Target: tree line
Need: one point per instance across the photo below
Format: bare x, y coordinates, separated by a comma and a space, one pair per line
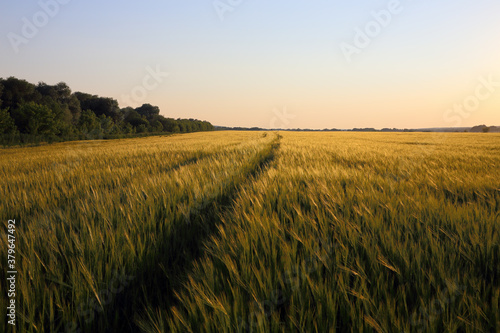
32, 113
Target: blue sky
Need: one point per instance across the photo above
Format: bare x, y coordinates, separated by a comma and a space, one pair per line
269, 64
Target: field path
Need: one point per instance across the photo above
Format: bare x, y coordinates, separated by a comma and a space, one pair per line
155, 286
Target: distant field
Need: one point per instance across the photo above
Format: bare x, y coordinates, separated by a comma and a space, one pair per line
257, 232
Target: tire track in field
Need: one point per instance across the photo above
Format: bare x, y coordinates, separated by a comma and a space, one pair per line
155, 285
42, 219
42, 222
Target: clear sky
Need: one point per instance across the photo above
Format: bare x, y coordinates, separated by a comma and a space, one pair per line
308, 64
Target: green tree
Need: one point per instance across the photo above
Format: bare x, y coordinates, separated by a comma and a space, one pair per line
128, 128
106, 123
157, 126
1, 90
49, 110
75, 108
39, 119
176, 129
90, 125
135, 119
59, 98
149, 111
99, 105
7, 124
16, 92
170, 125
142, 128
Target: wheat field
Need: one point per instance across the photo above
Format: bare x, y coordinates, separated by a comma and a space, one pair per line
256, 232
